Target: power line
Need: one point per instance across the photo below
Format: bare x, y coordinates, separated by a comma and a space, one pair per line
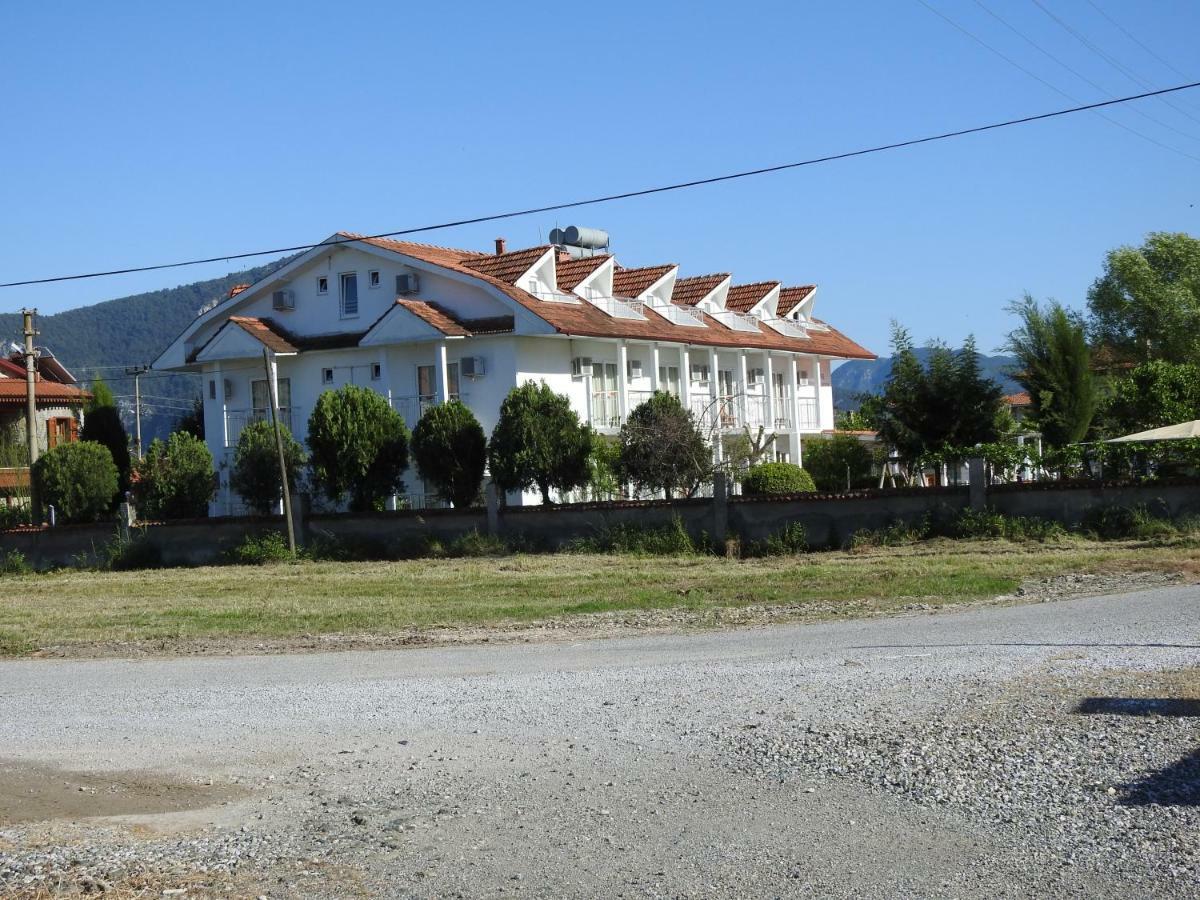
1012, 62
1125, 31
1036, 46
1109, 59
644, 192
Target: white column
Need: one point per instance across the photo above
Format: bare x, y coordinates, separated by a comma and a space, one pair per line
224, 406
768, 392
743, 389
794, 386
622, 380
443, 383
685, 376
654, 385
816, 380
714, 405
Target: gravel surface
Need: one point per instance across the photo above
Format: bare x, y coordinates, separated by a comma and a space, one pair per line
1000, 751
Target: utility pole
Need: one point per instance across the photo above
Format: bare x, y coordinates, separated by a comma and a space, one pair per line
137, 372
272, 388
31, 409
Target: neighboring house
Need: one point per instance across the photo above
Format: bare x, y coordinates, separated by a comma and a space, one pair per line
423, 324
59, 405
59, 401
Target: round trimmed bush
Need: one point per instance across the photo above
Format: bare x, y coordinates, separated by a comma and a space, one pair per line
777, 478
255, 475
450, 450
175, 480
78, 479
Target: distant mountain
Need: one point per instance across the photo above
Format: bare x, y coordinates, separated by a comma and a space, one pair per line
861, 376
133, 331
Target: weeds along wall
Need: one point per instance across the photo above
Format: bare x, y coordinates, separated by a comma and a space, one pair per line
827, 520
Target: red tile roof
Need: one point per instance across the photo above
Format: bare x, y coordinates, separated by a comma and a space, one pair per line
507, 267
572, 271
632, 282
265, 332
46, 393
791, 297
690, 291
1021, 398
742, 297
585, 320
433, 315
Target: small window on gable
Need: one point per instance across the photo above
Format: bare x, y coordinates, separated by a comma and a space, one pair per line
376, 371
327, 376
373, 278
323, 285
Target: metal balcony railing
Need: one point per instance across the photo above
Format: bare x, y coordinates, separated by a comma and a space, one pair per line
787, 327
557, 297
736, 320
236, 421
687, 316
618, 307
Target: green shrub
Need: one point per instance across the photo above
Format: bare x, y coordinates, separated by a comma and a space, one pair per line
776, 478
257, 550
539, 441
661, 447
474, 544
78, 479
102, 424
255, 475
175, 479
990, 525
450, 450
626, 537
339, 548
13, 516
131, 555
896, 534
14, 563
791, 540
358, 446
836, 460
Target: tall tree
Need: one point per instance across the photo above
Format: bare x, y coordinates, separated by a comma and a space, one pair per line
539, 440
102, 424
661, 447
358, 445
1146, 305
1055, 367
1152, 394
255, 474
450, 450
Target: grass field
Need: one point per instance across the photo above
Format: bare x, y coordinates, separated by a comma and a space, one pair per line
74, 609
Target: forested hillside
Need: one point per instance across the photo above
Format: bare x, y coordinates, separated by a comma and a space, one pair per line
132, 331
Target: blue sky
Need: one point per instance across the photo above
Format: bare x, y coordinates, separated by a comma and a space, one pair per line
145, 132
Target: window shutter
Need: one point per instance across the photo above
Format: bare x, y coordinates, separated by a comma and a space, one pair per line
74, 429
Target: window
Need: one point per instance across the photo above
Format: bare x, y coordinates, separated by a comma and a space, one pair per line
426, 382
260, 395
668, 379
725, 383
376, 371
373, 278
452, 380
777, 385
804, 378
212, 389
700, 373
327, 376
349, 295
59, 431
323, 285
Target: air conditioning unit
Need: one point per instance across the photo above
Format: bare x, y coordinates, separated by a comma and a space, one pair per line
633, 368
471, 366
580, 366
409, 283
757, 376
283, 300
700, 372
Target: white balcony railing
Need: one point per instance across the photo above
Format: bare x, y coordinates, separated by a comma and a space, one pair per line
809, 419
736, 320
687, 316
412, 408
557, 297
618, 307
606, 409
787, 327
237, 419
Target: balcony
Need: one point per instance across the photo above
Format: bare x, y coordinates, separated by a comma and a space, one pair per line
787, 327
606, 410
236, 421
557, 297
736, 321
687, 316
720, 414
412, 408
619, 307
809, 417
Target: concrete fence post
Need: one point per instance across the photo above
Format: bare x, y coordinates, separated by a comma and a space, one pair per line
977, 483
720, 501
492, 498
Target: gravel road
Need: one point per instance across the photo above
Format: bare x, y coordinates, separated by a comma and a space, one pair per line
1037, 750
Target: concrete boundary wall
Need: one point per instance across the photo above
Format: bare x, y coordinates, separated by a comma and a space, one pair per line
829, 520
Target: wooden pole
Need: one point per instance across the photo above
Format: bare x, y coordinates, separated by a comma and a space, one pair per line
269, 363
31, 410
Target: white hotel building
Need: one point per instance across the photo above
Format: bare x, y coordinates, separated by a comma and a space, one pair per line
424, 324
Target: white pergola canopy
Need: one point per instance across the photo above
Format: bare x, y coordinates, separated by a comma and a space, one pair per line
1181, 432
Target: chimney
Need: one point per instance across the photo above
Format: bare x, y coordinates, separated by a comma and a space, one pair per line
500, 246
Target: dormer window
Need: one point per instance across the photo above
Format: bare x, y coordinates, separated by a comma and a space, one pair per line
322, 285
373, 278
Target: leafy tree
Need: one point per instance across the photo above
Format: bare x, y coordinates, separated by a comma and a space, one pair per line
661, 447
777, 478
102, 424
1055, 367
539, 440
255, 474
947, 404
358, 446
450, 450
78, 479
604, 478
1146, 305
838, 462
192, 422
175, 480
1154, 393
